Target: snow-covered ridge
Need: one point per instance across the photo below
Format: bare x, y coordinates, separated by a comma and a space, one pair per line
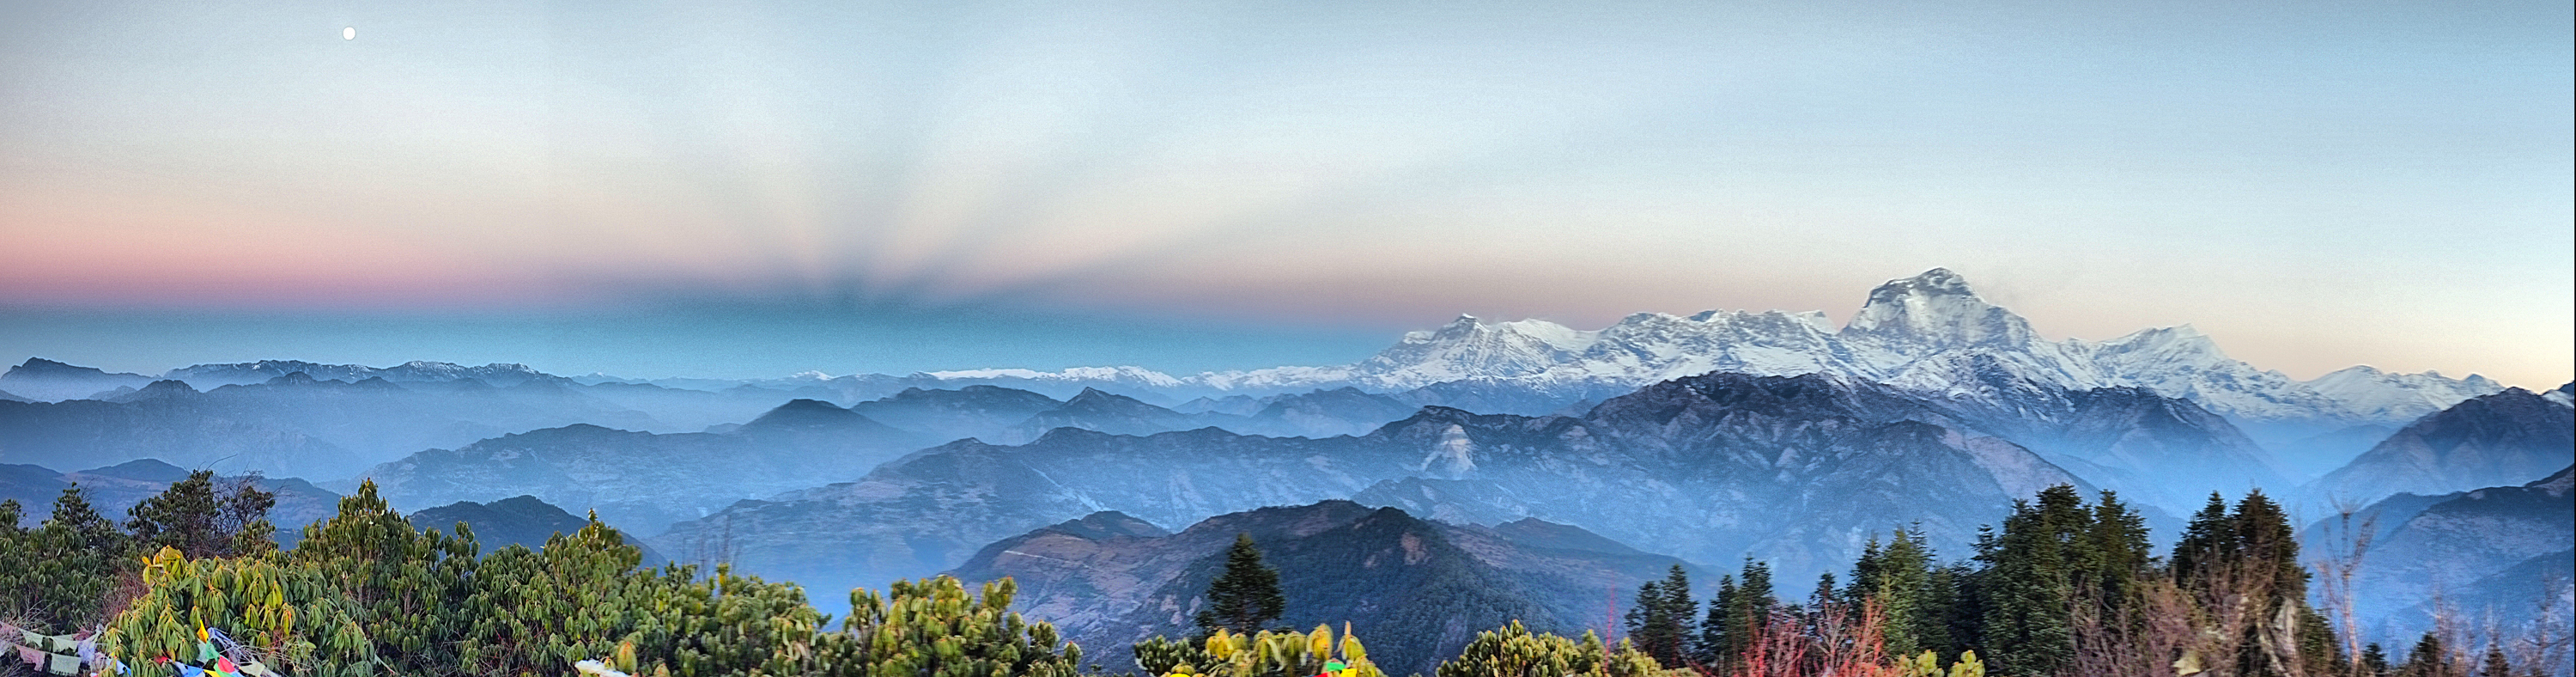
1930, 332
1136, 375
204, 376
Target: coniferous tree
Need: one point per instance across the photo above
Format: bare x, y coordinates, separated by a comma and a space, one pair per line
1898, 579
2029, 582
1679, 609
198, 519
2374, 660
59, 573
2117, 552
2203, 538
2429, 658
2496, 665
1246, 595
1824, 596
2250, 557
1736, 620
1714, 647
1663, 610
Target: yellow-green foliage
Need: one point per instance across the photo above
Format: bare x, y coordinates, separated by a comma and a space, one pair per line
582, 598
57, 576
1513, 651
365, 594
297, 621
1927, 664
407, 581
934, 628
1266, 654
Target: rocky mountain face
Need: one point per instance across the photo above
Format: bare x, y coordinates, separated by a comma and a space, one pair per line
1798, 470
1414, 589
113, 490
2492, 440
643, 481
2490, 554
520, 520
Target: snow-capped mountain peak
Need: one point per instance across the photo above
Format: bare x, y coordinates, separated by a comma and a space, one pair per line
1469, 348
2369, 390
1935, 310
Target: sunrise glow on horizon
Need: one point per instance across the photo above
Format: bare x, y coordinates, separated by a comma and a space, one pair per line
1231, 185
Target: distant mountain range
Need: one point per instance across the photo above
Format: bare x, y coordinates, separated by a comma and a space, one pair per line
1416, 590
1930, 333
645, 480
1918, 333
289, 425
1707, 437
1799, 470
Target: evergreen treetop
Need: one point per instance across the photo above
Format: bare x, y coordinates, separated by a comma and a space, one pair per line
1246, 596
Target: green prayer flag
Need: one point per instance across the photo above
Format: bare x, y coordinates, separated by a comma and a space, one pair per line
62, 665
50, 642
206, 652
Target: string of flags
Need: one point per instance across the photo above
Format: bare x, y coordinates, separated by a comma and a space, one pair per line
217, 655
215, 652
57, 654
1331, 669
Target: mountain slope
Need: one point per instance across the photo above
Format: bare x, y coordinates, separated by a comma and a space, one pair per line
2492, 440
1417, 590
44, 380
521, 520
978, 411
2485, 553
643, 481
1114, 414
1800, 470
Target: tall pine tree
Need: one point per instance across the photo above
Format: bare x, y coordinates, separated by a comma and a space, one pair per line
2250, 556
1658, 620
1899, 580
1246, 596
1737, 616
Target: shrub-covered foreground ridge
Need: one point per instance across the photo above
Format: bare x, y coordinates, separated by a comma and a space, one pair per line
2061, 587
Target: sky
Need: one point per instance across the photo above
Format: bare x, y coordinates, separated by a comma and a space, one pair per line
760, 188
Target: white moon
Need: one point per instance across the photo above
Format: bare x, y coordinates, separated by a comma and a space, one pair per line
350, 33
